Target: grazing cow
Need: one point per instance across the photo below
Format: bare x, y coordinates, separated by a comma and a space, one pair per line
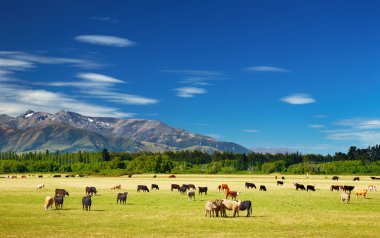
143, 188
172, 176
217, 207
262, 188
155, 176
372, 188
67, 176
40, 176
233, 194
202, 190
61, 192
250, 185
361, 193
192, 186
209, 208
23, 176
375, 178
155, 186
336, 187
57, 176
118, 186
335, 178
40, 186
91, 191
223, 187
48, 203
86, 202
191, 194
232, 205
185, 186
356, 179
345, 197
246, 205
348, 188
175, 186
310, 187
182, 190
122, 197
58, 201
299, 186
281, 183
283, 178
14, 177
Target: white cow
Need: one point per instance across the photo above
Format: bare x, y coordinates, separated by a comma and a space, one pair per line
48, 203
40, 186
372, 188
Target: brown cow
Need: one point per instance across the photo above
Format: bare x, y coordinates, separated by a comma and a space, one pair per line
48, 203
223, 187
118, 186
172, 176
361, 193
232, 205
233, 194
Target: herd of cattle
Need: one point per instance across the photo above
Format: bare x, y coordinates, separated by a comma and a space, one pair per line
217, 207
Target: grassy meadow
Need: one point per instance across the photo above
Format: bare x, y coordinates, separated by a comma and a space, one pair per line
280, 212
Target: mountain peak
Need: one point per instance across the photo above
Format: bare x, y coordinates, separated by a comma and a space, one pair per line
27, 114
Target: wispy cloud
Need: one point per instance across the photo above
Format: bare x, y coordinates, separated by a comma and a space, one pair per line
105, 19
267, 69
105, 40
188, 92
316, 126
298, 99
250, 130
215, 136
320, 116
360, 123
99, 78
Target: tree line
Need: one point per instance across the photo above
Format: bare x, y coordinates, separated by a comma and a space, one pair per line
355, 161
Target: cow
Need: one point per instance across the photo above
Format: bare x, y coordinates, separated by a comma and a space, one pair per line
57, 176
58, 201
40, 186
283, 178
191, 194
246, 205
185, 186
122, 197
155, 176
310, 187
281, 183
336, 187
175, 186
372, 188
361, 193
202, 190
335, 178
13, 177
232, 205
144, 188
348, 188
155, 186
40, 176
299, 186
61, 192
375, 178
117, 186
209, 208
86, 202
217, 207
172, 176
262, 188
130, 175
91, 191
48, 203
250, 185
67, 176
356, 179
345, 197
223, 187
182, 190
23, 176
192, 186
233, 194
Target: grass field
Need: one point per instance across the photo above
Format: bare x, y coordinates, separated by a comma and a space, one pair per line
279, 212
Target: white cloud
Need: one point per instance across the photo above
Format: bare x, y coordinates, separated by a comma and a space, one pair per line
99, 78
12, 64
215, 136
188, 92
250, 131
267, 69
105, 40
316, 126
298, 99
360, 123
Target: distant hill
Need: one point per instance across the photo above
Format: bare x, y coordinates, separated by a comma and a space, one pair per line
70, 131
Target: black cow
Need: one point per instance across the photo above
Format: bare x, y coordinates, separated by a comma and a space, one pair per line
67, 176
281, 183
283, 178
335, 178
40, 176
250, 185
182, 189
310, 187
246, 205
122, 197
335, 187
348, 188
58, 201
129, 175
56, 176
155, 186
143, 188
375, 178
202, 190
86, 202
90, 190
299, 186
262, 188
175, 186
155, 176
356, 179
192, 186
61, 192
185, 186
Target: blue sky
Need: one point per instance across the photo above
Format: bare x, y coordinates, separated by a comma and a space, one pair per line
301, 75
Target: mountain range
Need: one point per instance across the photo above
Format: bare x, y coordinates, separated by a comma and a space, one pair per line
70, 131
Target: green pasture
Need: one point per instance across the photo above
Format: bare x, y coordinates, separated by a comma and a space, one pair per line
280, 212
